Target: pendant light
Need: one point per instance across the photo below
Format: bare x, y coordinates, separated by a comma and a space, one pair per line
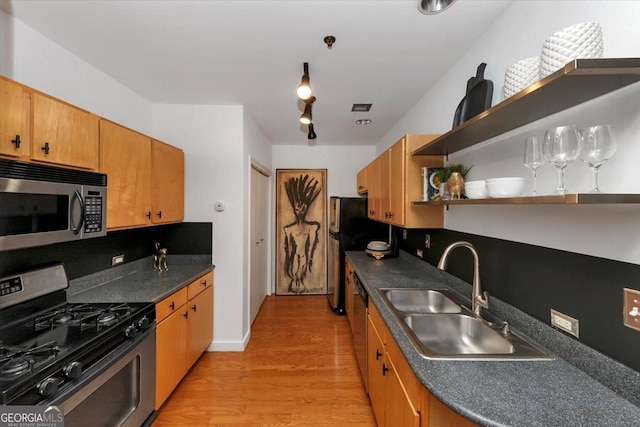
431, 7
304, 89
306, 117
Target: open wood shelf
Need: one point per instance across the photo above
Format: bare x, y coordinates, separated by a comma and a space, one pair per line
567, 199
579, 81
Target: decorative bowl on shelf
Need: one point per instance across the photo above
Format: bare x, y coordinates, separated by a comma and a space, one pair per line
520, 75
505, 187
475, 189
577, 41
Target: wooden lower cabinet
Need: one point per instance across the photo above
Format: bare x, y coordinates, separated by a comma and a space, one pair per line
184, 331
397, 396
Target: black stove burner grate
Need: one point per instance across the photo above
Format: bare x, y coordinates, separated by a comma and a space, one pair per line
16, 361
84, 315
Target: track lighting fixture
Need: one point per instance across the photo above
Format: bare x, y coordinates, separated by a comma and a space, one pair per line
312, 133
304, 89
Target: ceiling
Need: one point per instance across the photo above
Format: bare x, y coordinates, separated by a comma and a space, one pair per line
252, 52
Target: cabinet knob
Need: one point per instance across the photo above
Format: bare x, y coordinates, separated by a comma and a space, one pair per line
204, 283
148, 215
16, 141
194, 307
45, 148
159, 214
378, 354
172, 305
186, 315
384, 369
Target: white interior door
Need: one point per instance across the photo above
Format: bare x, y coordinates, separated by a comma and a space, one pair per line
259, 287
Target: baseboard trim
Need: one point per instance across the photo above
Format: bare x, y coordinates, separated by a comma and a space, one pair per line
230, 345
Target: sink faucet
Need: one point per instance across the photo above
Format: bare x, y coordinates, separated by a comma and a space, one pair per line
478, 300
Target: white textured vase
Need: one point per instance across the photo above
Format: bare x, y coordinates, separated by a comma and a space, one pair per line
520, 75
577, 41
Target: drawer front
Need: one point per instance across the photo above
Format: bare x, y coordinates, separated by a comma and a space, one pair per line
199, 285
170, 304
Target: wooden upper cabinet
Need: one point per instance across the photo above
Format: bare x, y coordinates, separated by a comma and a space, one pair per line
167, 166
125, 156
14, 119
63, 134
361, 181
394, 181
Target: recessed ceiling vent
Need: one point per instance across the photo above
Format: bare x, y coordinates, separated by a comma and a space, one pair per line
361, 108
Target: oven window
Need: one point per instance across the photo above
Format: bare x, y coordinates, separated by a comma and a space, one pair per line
22, 213
111, 403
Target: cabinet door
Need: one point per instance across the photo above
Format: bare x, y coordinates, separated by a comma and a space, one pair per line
375, 188
125, 156
14, 140
200, 324
171, 353
376, 378
385, 202
396, 182
167, 164
399, 409
361, 181
63, 134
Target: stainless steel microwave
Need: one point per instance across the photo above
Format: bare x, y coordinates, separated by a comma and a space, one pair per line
41, 204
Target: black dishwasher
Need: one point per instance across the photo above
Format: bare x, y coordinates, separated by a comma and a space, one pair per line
360, 304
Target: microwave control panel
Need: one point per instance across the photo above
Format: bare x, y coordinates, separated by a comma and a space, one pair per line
93, 214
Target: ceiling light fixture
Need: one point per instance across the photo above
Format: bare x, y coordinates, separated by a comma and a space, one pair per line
431, 7
304, 89
312, 133
363, 121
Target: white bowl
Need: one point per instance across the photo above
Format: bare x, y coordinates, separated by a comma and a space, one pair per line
475, 189
505, 187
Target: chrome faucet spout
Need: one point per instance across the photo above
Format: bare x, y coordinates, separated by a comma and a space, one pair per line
478, 299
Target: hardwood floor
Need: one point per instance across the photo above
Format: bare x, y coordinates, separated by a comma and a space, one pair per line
299, 369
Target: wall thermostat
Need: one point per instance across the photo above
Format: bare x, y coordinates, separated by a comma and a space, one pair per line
219, 206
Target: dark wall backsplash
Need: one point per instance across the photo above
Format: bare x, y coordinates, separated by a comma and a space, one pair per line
535, 279
89, 256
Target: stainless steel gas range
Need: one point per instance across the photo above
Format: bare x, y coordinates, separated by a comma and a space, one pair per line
95, 362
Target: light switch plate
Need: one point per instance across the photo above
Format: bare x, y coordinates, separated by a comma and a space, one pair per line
118, 259
631, 308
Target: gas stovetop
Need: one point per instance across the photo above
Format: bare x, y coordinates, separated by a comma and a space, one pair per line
45, 337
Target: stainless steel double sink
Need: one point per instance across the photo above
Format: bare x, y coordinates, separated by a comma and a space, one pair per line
441, 327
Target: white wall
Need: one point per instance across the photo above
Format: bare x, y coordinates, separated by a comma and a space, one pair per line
32, 59
212, 138
341, 162
606, 231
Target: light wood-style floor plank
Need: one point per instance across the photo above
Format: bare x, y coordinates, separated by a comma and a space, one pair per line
299, 369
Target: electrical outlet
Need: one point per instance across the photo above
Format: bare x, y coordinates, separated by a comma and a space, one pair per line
565, 323
404, 233
118, 259
427, 241
419, 253
631, 308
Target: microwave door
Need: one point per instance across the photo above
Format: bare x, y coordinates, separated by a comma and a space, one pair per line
76, 212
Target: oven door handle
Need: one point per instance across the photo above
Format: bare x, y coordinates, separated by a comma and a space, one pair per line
76, 200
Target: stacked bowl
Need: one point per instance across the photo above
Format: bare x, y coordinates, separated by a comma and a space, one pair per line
505, 187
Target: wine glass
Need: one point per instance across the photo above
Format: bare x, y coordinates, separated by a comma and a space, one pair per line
561, 146
533, 158
598, 145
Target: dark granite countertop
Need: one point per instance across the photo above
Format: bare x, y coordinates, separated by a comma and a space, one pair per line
138, 281
567, 391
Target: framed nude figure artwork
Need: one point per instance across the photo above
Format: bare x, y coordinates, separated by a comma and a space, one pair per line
301, 223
